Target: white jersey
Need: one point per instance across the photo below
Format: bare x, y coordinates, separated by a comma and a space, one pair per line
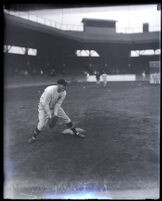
104, 76
51, 99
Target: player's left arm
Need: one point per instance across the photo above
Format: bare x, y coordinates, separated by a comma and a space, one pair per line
59, 103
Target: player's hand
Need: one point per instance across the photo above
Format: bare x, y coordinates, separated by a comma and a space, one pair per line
52, 121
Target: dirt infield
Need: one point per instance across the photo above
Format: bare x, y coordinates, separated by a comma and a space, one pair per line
119, 157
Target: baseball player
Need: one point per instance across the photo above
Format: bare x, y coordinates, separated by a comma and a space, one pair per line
104, 78
97, 74
49, 110
143, 76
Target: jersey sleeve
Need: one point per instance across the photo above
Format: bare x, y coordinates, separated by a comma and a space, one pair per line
45, 100
59, 103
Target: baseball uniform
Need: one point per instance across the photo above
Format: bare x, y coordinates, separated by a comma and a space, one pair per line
50, 105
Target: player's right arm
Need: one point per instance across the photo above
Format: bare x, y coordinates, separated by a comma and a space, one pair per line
59, 103
45, 101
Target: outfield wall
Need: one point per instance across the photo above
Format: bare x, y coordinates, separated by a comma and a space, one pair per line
111, 78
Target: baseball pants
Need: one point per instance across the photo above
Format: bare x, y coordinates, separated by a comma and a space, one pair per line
43, 117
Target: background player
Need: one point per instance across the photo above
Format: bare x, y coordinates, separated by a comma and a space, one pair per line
104, 78
143, 75
49, 109
97, 74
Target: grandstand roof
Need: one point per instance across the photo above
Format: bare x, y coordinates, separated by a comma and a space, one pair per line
118, 37
115, 38
97, 20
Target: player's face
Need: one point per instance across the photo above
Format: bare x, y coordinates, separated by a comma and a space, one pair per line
61, 88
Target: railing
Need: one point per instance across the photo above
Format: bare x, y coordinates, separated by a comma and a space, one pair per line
71, 27
42, 20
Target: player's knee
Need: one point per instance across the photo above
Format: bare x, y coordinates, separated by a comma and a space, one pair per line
66, 120
41, 126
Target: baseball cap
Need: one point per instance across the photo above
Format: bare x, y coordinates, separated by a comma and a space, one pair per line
62, 82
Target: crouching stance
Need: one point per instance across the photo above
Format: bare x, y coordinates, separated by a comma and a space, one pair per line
50, 110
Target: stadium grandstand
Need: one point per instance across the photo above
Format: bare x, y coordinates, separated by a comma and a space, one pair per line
45, 47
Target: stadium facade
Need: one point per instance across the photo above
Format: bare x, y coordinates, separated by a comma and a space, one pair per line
56, 48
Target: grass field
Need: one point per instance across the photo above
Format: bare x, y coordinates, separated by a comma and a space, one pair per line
118, 159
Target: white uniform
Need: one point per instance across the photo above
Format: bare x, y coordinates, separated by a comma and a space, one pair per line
50, 105
143, 76
104, 78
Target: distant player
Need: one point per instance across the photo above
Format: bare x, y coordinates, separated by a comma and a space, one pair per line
87, 75
157, 78
143, 76
50, 110
97, 74
104, 78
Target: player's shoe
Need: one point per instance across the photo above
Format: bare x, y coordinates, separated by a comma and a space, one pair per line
32, 140
77, 134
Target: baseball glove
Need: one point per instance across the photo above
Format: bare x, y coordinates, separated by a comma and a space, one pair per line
52, 121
